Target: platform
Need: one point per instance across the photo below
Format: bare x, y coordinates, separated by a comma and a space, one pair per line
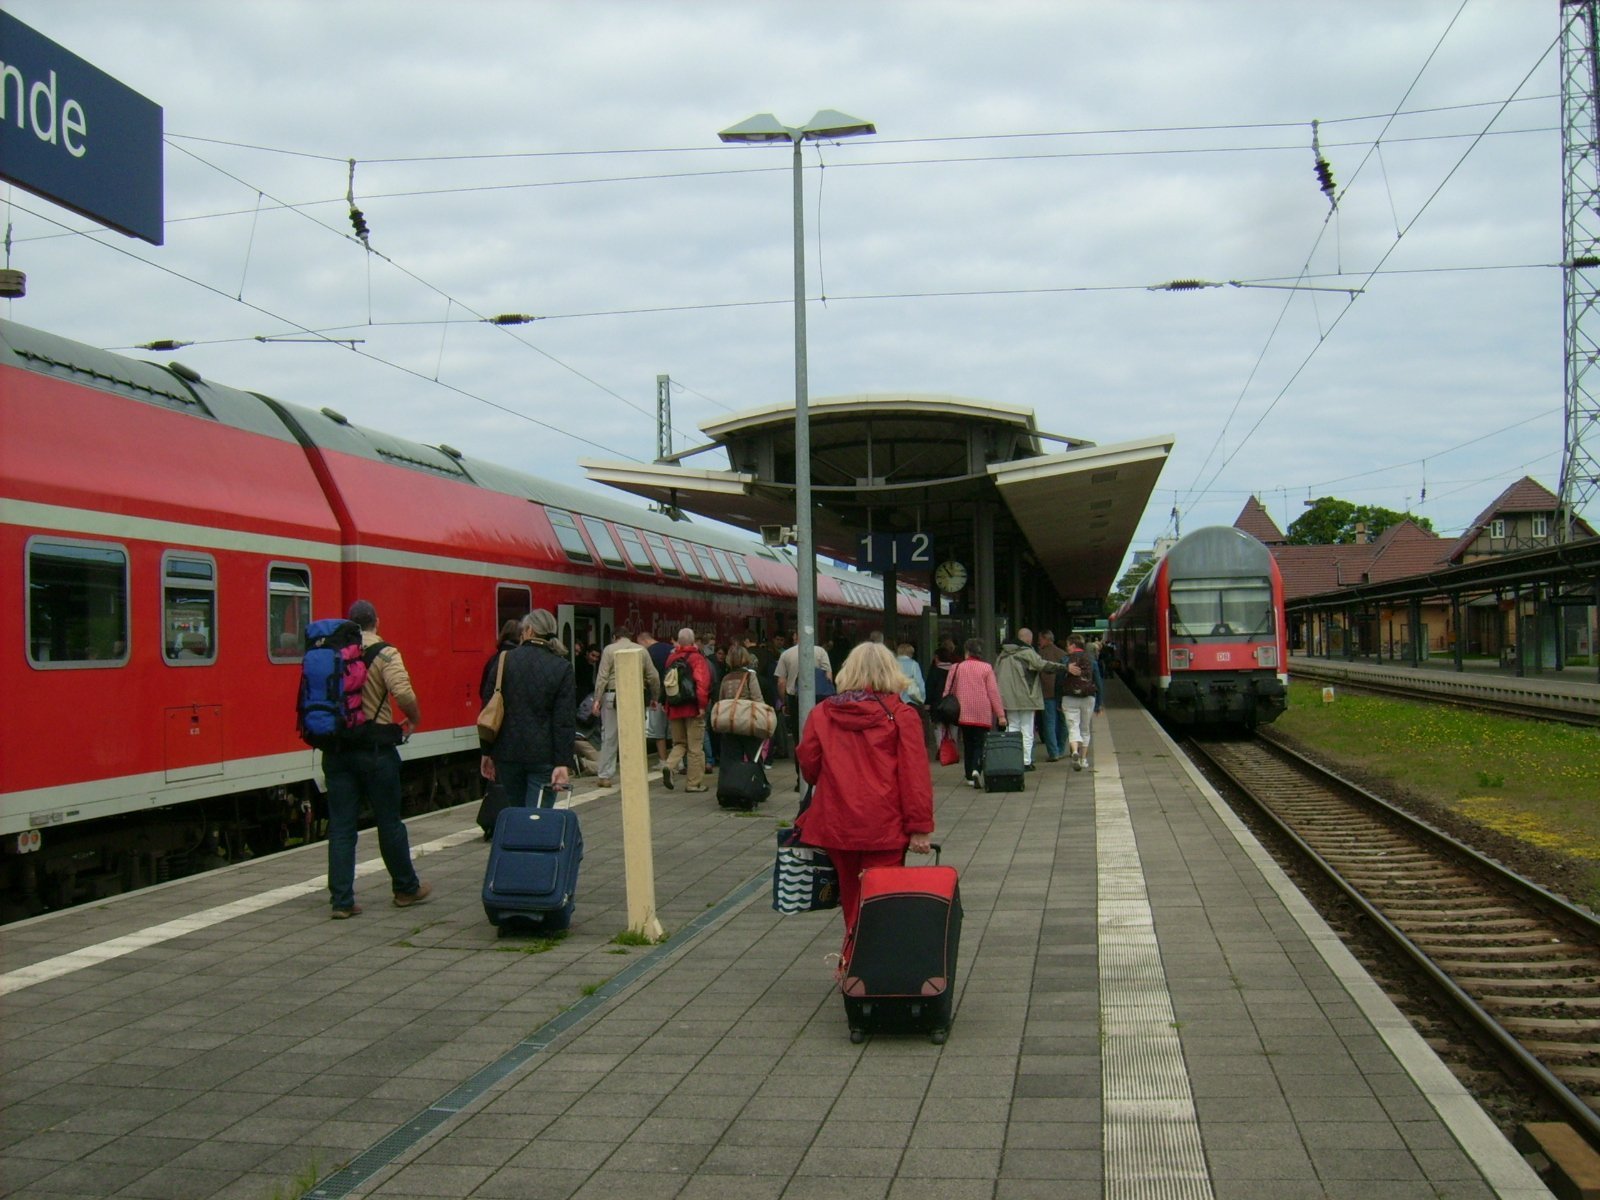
1146, 1008
1570, 694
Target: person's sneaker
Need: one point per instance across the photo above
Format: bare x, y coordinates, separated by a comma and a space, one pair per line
407, 899
666, 777
1077, 762
695, 787
1028, 767
1051, 757
344, 914
602, 782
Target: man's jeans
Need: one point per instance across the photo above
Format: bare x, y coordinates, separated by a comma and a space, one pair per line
370, 773
1055, 726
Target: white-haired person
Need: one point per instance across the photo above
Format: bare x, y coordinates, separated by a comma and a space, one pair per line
872, 793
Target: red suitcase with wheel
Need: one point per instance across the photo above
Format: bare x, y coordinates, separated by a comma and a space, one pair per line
901, 973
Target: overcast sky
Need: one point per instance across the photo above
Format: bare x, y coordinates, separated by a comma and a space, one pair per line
1037, 167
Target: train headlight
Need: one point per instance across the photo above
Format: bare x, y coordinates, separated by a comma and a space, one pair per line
1179, 658
1267, 656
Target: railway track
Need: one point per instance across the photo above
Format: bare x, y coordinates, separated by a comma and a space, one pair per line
1516, 961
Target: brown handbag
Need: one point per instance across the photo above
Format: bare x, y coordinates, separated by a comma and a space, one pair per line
738, 714
493, 712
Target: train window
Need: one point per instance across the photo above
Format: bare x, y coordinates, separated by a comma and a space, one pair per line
686, 557
1222, 608
664, 558
512, 602
77, 604
638, 556
569, 537
744, 571
188, 608
708, 562
604, 546
288, 611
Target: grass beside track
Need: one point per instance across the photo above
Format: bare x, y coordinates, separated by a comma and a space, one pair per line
1534, 781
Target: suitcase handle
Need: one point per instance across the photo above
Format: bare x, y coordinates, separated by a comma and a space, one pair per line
936, 847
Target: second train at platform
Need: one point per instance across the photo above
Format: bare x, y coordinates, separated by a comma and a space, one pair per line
1202, 639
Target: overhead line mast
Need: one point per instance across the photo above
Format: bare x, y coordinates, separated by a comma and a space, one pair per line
1580, 200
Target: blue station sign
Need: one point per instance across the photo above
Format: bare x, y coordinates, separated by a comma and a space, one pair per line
72, 134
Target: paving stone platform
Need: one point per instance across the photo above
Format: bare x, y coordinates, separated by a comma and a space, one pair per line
1146, 1008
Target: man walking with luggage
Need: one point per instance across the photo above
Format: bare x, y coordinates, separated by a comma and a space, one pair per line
1017, 672
367, 767
605, 696
686, 710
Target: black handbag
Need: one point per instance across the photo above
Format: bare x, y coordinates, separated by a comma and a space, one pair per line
948, 710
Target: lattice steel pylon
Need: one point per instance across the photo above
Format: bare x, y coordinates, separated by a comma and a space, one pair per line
1580, 204
663, 417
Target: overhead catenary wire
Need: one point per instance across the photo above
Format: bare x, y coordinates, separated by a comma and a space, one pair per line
1394, 245
372, 252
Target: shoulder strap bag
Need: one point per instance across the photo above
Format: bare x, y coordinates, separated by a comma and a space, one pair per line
493, 712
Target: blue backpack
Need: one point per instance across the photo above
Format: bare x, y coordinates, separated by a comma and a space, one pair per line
333, 672
824, 685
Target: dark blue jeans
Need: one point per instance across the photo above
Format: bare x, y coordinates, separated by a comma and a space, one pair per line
370, 773
525, 783
1055, 726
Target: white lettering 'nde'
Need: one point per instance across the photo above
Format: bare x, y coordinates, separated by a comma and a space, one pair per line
72, 124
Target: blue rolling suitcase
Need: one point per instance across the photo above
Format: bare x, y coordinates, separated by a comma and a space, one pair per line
532, 875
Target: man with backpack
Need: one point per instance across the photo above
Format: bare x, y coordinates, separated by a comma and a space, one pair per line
686, 688
364, 763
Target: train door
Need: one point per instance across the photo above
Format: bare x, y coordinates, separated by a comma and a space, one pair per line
584, 625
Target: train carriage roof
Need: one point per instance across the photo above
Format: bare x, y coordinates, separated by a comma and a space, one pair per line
1221, 552
173, 387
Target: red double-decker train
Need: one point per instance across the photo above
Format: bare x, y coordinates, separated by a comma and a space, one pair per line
166, 540
1202, 640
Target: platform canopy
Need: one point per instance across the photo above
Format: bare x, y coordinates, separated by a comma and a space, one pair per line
920, 463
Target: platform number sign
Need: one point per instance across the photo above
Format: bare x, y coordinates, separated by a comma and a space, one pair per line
895, 552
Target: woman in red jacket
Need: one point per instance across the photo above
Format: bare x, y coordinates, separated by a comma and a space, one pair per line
872, 794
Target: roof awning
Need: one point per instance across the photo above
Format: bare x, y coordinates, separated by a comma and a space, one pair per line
1079, 509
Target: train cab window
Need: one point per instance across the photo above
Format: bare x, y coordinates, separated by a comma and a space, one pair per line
77, 604
288, 611
686, 557
1223, 608
512, 602
708, 563
567, 534
748, 579
188, 609
638, 556
664, 559
604, 546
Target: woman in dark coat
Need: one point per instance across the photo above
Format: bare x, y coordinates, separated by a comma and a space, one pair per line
872, 794
534, 746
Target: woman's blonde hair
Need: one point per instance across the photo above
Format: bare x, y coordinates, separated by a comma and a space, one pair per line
871, 668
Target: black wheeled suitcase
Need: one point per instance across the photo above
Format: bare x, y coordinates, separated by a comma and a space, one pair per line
531, 878
1002, 762
901, 972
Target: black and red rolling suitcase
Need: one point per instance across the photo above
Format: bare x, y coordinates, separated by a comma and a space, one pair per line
901, 973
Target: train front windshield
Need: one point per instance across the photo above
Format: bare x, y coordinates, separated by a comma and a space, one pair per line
1207, 609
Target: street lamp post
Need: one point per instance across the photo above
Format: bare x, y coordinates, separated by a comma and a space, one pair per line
827, 125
